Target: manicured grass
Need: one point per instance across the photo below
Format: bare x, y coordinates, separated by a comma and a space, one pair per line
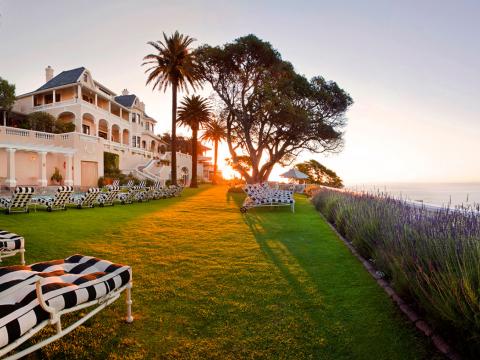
212, 283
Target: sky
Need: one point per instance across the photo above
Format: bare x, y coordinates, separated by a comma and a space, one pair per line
410, 66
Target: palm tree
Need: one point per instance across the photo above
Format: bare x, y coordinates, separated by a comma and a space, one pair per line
194, 111
215, 132
174, 64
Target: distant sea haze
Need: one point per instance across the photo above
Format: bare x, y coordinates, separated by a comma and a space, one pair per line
442, 194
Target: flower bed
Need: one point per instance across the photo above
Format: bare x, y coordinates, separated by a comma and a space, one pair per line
431, 257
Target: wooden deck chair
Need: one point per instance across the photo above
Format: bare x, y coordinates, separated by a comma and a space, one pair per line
19, 200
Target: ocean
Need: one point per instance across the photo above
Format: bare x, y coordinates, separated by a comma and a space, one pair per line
442, 194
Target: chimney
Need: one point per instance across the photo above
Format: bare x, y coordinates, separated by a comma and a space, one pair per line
125, 92
48, 73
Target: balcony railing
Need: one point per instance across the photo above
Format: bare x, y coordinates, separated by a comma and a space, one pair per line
55, 104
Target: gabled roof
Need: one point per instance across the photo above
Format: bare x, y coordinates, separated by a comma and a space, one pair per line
64, 78
126, 100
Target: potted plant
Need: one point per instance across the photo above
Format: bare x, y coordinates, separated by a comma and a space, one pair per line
57, 177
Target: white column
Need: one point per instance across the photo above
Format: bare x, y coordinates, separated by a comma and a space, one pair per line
121, 111
79, 92
42, 178
5, 118
53, 96
68, 172
11, 181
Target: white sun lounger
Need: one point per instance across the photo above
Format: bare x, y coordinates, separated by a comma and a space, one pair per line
57, 201
19, 201
33, 297
89, 199
259, 195
11, 244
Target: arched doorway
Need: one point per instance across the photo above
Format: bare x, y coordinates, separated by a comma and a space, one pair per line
88, 124
67, 117
103, 129
184, 176
116, 133
125, 137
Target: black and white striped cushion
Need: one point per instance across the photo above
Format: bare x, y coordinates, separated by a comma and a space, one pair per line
59, 199
109, 196
20, 198
11, 241
87, 199
65, 284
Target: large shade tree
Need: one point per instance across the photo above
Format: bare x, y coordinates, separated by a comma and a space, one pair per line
7, 98
271, 112
173, 65
320, 174
194, 112
215, 132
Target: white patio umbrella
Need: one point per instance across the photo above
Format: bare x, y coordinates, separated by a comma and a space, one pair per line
294, 174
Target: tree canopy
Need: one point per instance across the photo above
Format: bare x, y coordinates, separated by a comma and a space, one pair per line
43, 121
7, 96
173, 65
320, 174
271, 113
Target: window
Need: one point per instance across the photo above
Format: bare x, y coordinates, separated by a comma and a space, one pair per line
48, 98
85, 77
58, 98
86, 129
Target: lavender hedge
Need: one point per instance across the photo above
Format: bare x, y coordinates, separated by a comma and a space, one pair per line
431, 257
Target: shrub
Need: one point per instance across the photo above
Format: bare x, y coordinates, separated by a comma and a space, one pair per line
311, 189
41, 121
56, 176
431, 257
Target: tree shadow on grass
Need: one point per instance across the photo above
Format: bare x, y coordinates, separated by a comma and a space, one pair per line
280, 254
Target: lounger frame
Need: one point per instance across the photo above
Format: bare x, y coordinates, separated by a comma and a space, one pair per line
4, 253
55, 319
19, 201
266, 197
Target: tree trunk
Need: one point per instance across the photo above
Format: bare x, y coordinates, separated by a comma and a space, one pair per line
193, 183
174, 135
215, 157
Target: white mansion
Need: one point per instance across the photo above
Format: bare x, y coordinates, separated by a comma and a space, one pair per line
104, 122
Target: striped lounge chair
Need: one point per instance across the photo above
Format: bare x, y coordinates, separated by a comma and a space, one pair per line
158, 192
130, 196
19, 201
11, 244
59, 200
143, 191
259, 195
108, 198
88, 199
129, 184
33, 297
116, 182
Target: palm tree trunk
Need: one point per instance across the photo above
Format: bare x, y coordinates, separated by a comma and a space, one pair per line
193, 183
174, 135
215, 157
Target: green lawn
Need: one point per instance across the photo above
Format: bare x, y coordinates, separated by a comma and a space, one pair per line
210, 282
